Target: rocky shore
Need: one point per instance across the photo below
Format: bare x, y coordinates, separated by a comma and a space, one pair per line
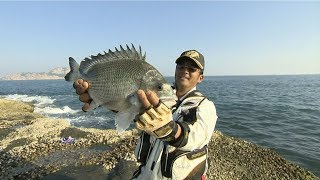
30, 148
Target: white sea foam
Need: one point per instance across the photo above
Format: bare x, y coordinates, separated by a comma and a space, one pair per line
55, 110
38, 101
84, 118
43, 104
104, 122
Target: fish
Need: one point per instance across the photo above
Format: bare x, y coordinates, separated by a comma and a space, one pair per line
115, 77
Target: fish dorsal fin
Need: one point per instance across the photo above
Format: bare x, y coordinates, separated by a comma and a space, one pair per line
121, 54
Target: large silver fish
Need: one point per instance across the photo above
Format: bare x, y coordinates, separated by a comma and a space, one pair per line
114, 79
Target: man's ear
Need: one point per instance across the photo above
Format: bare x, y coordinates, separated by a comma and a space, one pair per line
201, 77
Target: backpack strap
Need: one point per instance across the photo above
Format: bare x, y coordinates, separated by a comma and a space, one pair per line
194, 93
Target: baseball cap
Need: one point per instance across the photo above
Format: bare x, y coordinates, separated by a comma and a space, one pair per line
193, 55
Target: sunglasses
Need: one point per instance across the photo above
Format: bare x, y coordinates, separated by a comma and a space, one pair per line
189, 68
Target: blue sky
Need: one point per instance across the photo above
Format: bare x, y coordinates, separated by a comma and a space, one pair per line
236, 38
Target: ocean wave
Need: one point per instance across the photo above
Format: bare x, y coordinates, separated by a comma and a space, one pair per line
43, 104
55, 110
88, 121
38, 101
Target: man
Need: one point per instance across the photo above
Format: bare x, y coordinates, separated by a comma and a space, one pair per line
173, 143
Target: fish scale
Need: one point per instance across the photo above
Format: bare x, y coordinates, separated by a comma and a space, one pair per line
120, 77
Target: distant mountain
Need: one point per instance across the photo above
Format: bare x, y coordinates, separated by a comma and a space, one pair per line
56, 73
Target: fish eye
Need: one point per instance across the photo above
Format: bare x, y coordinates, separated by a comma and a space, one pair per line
160, 87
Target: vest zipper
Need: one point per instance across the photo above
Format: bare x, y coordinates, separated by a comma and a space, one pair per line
167, 154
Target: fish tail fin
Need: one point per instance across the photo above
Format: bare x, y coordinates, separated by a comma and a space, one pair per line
74, 73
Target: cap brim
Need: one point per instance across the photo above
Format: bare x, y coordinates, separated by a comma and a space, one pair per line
187, 57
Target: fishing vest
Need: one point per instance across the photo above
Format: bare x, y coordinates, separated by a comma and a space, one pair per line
184, 113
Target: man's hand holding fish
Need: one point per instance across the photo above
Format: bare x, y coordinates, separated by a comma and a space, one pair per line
157, 118
82, 87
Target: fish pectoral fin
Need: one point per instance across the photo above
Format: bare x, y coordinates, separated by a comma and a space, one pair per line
124, 118
133, 100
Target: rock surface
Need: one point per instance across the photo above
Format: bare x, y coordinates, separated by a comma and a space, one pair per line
30, 148
56, 73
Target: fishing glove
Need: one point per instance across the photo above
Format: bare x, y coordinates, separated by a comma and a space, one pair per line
157, 121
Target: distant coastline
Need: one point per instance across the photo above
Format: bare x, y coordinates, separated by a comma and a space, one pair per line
60, 72
56, 73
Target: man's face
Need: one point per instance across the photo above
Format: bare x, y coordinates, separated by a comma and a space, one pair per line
187, 75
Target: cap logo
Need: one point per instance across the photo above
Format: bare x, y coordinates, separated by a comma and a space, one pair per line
193, 54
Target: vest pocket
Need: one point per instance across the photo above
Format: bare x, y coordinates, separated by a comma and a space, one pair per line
184, 163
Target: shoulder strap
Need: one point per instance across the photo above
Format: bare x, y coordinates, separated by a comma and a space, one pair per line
194, 93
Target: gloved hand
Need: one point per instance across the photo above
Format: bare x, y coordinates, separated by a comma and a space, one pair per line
157, 119
82, 87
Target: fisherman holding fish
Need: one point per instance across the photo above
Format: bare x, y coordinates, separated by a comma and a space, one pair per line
173, 142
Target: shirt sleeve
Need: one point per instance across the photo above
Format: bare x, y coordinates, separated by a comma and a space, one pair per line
200, 132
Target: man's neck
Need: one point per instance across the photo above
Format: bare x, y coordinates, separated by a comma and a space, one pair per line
181, 93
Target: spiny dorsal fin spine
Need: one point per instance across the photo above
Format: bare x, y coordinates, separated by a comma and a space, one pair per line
124, 52
110, 53
119, 54
129, 53
129, 50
